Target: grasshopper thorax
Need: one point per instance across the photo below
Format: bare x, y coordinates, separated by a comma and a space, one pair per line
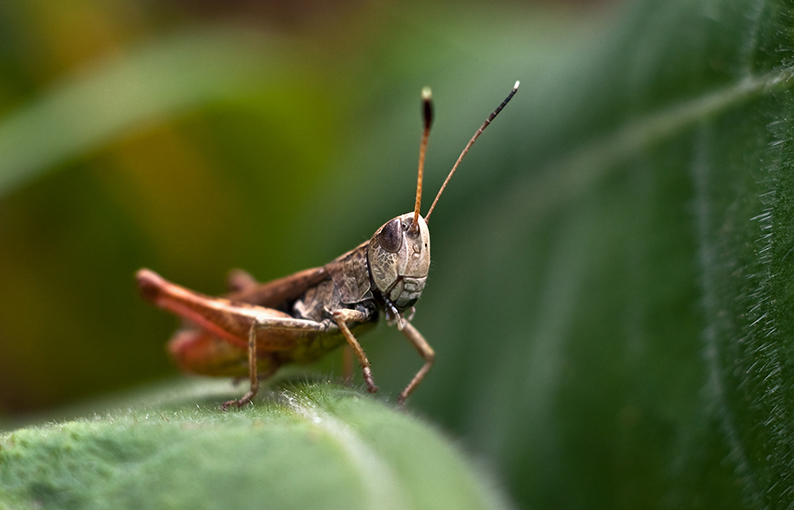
399, 259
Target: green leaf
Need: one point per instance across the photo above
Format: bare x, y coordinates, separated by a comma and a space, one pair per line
307, 446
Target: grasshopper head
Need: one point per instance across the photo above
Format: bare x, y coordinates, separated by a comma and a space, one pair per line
399, 258
399, 252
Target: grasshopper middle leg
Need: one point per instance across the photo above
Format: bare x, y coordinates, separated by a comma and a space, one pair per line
342, 317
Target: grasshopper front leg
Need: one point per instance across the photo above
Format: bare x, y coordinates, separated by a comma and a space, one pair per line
418, 341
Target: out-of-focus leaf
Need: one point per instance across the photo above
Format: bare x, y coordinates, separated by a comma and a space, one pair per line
161, 79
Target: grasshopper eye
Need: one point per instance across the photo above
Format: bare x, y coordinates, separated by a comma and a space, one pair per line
390, 238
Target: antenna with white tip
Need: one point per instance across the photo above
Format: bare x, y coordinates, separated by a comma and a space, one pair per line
490, 118
427, 116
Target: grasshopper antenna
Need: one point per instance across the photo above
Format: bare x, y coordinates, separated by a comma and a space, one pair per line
427, 116
490, 118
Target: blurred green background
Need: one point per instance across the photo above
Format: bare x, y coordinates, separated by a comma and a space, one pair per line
194, 137
609, 298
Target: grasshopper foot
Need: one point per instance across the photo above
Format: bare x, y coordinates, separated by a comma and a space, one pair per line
369, 380
239, 403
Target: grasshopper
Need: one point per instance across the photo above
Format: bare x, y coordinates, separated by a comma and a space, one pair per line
258, 327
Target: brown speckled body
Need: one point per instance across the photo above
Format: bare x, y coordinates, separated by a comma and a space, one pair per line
200, 347
256, 328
